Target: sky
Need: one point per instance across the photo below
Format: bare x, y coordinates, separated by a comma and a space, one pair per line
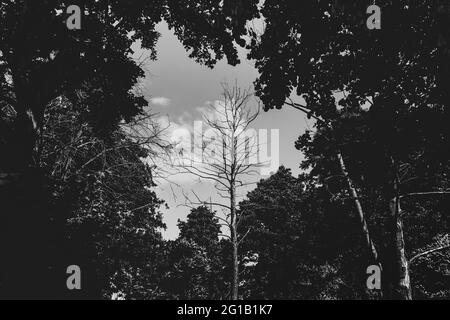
179, 89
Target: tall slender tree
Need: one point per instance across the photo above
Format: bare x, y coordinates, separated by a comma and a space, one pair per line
229, 157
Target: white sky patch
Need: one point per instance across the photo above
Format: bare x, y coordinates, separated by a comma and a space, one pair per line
160, 101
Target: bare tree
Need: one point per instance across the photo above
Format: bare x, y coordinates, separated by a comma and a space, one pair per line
229, 157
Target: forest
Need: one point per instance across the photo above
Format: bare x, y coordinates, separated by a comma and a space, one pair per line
82, 154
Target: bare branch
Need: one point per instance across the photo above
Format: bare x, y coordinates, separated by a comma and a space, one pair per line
431, 193
422, 254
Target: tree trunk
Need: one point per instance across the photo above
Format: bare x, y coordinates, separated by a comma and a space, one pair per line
26, 136
403, 286
234, 240
403, 282
359, 210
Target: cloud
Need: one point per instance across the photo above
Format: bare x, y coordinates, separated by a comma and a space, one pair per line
160, 101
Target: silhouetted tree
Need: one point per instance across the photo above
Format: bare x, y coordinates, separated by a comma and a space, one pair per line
339, 69
196, 264
41, 60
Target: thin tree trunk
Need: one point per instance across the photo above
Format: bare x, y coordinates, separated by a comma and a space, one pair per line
234, 240
365, 229
26, 135
359, 209
403, 285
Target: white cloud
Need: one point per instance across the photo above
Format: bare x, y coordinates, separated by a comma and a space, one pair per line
160, 101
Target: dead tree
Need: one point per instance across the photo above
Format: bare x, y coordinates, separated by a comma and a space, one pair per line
229, 157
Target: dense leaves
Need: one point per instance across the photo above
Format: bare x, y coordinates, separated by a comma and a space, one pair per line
379, 99
301, 243
65, 96
198, 262
41, 59
103, 194
76, 187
